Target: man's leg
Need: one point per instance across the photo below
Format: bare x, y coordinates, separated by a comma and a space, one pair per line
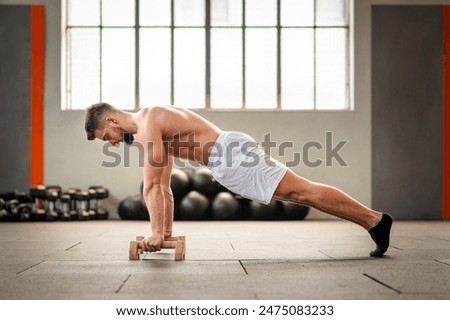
335, 202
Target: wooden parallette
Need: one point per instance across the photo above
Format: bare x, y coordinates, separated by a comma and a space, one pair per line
177, 243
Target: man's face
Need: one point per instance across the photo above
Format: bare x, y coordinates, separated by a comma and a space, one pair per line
114, 134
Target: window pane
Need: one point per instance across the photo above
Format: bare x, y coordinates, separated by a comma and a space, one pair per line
189, 12
261, 68
154, 67
261, 12
331, 13
297, 12
226, 68
297, 73
226, 12
83, 67
118, 67
190, 68
83, 12
154, 12
118, 13
331, 68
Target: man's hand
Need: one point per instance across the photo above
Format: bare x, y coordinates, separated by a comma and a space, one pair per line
153, 243
167, 234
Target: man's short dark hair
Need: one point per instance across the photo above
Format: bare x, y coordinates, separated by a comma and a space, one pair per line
95, 115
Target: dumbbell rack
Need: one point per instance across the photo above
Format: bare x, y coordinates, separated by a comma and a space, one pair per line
177, 243
49, 203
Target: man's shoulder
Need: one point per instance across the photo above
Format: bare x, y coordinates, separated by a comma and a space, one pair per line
156, 108
153, 111
154, 117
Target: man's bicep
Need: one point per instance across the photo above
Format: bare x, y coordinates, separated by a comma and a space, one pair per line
152, 176
167, 171
154, 151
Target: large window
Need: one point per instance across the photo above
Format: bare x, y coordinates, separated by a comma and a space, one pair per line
233, 54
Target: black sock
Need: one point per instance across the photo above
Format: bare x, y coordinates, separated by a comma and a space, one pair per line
380, 234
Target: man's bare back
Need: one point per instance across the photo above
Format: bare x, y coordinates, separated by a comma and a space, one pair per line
185, 134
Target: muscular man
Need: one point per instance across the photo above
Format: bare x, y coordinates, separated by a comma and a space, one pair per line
235, 159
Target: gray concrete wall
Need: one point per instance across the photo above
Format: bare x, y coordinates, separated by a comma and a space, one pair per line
72, 161
15, 97
407, 110
363, 56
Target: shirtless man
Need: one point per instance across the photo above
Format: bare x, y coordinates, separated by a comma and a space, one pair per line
167, 132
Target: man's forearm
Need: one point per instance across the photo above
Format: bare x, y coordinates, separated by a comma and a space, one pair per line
168, 220
156, 207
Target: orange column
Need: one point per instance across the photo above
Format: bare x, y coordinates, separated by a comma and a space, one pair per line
37, 94
446, 118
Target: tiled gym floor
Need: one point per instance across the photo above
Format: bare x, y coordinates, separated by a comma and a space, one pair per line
224, 260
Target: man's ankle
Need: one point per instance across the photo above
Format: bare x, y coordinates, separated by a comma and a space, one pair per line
374, 220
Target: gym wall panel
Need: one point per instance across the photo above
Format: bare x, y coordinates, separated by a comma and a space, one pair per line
407, 99
15, 96
446, 116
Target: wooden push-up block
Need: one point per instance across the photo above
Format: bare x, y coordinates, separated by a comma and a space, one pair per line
177, 243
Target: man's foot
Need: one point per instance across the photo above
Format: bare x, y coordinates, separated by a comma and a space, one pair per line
380, 234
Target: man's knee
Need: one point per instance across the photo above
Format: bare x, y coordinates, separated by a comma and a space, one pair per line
300, 195
294, 188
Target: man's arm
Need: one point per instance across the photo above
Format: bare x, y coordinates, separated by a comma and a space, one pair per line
168, 198
155, 162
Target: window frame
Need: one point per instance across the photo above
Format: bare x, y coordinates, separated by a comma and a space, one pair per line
65, 78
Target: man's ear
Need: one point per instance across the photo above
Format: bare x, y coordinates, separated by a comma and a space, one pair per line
111, 121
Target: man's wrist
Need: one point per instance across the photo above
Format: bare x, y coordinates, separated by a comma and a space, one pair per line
167, 235
158, 234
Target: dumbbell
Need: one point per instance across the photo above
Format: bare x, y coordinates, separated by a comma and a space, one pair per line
11, 210
177, 243
5, 198
91, 203
64, 211
23, 211
8, 195
73, 203
82, 198
3, 212
52, 194
101, 194
38, 196
16, 211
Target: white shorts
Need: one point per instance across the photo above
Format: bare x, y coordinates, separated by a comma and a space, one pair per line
241, 165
